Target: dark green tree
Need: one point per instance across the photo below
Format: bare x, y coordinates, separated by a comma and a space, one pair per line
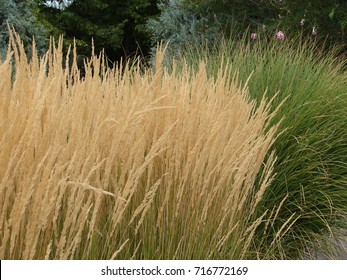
116, 26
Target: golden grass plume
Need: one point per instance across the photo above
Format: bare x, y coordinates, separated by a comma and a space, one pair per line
125, 163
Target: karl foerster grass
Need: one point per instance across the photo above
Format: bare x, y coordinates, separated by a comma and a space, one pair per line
128, 164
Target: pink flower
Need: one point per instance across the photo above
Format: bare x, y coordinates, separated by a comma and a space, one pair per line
314, 31
280, 35
254, 36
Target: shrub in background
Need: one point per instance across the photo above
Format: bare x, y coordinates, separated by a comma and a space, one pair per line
235, 16
324, 20
20, 16
181, 26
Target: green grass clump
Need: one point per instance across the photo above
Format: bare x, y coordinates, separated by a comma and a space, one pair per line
311, 170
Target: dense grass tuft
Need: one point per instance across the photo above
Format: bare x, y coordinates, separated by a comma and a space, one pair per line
311, 170
130, 164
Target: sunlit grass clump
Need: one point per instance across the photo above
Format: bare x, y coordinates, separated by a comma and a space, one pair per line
130, 164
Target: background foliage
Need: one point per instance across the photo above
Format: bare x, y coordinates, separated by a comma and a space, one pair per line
20, 15
329, 18
118, 27
234, 17
183, 26
128, 28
